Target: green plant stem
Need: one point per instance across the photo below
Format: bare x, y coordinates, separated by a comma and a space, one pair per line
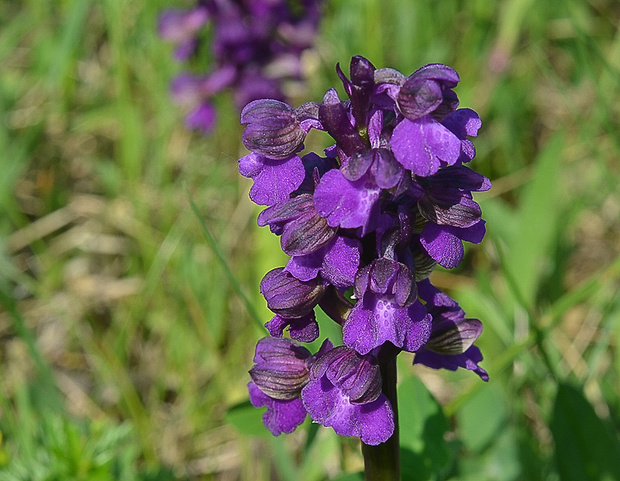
382, 462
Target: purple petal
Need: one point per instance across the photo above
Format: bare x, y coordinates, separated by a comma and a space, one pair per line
341, 262
457, 178
420, 145
373, 422
274, 180
305, 268
346, 204
442, 245
282, 416
463, 122
473, 234
433, 296
386, 170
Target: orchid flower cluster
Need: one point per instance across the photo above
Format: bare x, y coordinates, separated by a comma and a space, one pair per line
364, 225
256, 45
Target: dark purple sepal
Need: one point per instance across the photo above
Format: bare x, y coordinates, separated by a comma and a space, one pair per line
445, 75
468, 360
335, 119
274, 180
303, 329
302, 229
386, 276
282, 416
357, 376
452, 334
281, 367
418, 97
452, 208
359, 88
308, 116
271, 129
288, 296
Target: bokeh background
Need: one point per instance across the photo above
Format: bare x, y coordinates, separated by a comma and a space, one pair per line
124, 336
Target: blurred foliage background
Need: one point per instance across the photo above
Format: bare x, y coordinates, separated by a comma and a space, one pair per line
124, 343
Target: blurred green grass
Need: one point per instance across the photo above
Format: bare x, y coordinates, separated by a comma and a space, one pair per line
123, 343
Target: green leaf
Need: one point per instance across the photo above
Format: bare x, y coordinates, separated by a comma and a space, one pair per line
584, 448
481, 418
527, 254
247, 419
351, 477
422, 428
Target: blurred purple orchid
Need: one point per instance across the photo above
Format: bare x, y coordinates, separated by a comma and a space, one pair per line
255, 47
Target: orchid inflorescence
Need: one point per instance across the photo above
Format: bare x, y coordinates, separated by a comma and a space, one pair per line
255, 47
364, 225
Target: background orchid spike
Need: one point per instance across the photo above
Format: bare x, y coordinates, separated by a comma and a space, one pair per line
255, 49
364, 224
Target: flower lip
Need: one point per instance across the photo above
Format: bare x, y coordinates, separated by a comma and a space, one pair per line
303, 230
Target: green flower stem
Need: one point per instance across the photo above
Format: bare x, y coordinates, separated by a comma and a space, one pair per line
382, 462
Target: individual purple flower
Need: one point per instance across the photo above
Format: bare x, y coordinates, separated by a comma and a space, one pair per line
450, 215
344, 392
450, 345
281, 370
421, 142
274, 133
387, 310
293, 302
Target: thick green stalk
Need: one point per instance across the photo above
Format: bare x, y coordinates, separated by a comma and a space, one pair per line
382, 462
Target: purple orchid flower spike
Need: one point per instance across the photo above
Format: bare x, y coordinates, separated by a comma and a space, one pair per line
364, 225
